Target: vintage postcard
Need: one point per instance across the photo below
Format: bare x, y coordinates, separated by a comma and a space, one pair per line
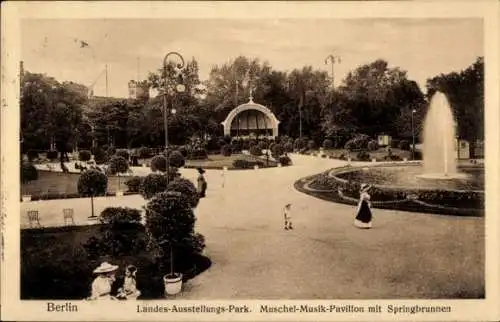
250, 161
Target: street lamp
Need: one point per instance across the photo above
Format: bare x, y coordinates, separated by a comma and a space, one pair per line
413, 134
178, 88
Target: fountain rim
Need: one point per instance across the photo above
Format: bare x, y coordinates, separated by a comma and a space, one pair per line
350, 168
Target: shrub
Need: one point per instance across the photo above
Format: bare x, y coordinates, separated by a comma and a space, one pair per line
236, 147
111, 150
245, 164
176, 159
277, 151
170, 220
145, 152
394, 143
153, 184
133, 183
404, 145
327, 144
28, 172
262, 145
363, 156
120, 215
284, 160
84, 155
372, 145
359, 142
288, 147
226, 150
120, 233
255, 150
100, 156
52, 155
92, 183
32, 155
300, 144
187, 188
198, 154
227, 139
123, 153
117, 165
183, 150
393, 157
159, 163
418, 155
311, 145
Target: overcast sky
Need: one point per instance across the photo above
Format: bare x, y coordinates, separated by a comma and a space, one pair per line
422, 47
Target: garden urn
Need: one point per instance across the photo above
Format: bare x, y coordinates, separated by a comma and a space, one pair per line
173, 283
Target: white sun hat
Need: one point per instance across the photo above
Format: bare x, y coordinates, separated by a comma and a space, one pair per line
105, 268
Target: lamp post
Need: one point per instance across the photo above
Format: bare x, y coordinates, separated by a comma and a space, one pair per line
413, 134
179, 88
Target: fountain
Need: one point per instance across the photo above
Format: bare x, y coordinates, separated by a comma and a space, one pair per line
439, 154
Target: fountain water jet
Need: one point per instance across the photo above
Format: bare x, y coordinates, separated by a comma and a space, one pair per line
439, 156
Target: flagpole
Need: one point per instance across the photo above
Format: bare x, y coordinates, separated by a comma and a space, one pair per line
106, 80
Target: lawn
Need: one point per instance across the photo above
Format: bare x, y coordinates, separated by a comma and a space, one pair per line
57, 182
55, 264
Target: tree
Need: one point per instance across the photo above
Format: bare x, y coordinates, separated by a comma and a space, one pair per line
372, 100
92, 183
51, 112
465, 92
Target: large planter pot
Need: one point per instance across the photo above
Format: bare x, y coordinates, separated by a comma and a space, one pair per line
173, 283
26, 198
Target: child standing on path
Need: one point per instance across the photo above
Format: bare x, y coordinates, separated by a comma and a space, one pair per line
287, 212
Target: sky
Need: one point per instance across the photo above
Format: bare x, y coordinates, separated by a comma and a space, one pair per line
133, 47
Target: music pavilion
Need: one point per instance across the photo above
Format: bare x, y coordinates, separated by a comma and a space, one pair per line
251, 120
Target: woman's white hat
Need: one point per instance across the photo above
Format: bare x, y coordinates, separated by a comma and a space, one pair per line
105, 268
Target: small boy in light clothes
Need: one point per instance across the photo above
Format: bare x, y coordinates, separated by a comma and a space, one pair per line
287, 212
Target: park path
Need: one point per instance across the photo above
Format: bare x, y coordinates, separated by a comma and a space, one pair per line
405, 255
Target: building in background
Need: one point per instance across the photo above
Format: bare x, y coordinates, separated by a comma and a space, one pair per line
138, 90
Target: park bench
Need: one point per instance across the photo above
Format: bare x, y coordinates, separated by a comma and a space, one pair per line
34, 219
68, 216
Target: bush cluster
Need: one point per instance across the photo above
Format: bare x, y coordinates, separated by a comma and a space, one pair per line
32, 155
255, 150
226, 150
288, 147
133, 183
100, 156
152, 184
363, 156
277, 150
52, 155
300, 144
145, 152
359, 142
262, 145
246, 164
28, 172
404, 145
159, 163
176, 159
311, 145
198, 154
284, 160
327, 144
123, 153
372, 145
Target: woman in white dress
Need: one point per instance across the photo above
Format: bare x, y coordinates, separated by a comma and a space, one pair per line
101, 286
364, 213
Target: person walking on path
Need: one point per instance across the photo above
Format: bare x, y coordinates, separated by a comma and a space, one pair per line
364, 215
287, 213
202, 183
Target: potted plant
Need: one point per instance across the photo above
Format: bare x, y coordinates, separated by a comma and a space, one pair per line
170, 221
28, 173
